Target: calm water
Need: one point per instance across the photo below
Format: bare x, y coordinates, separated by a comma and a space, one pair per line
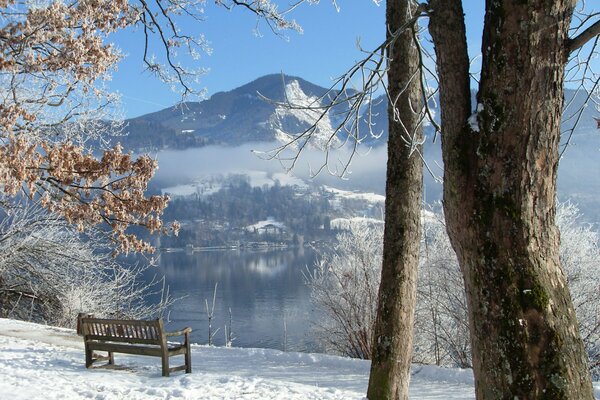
263, 289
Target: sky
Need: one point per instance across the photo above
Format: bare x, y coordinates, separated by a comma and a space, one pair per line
325, 49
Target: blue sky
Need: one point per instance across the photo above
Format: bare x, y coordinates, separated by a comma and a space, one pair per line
325, 50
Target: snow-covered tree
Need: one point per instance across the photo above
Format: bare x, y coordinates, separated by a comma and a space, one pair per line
441, 325
580, 258
50, 272
344, 286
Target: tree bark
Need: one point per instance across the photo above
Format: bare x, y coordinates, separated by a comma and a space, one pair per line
392, 347
499, 197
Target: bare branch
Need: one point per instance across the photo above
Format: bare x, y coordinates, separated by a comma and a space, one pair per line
584, 37
345, 109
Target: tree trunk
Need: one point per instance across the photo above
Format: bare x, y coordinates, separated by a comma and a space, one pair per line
499, 197
392, 344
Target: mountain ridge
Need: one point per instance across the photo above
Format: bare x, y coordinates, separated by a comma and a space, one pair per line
234, 117
250, 113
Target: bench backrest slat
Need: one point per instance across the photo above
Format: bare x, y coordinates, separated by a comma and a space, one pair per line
132, 331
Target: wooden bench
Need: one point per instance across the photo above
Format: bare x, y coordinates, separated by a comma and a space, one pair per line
146, 338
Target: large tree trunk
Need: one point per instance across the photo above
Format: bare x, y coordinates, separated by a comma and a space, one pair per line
392, 347
499, 197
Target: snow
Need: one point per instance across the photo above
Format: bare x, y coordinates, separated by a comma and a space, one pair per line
261, 226
474, 118
346, 223
370, 197
306, 111
40, 362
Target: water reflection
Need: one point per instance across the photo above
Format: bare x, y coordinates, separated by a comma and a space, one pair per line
263, 290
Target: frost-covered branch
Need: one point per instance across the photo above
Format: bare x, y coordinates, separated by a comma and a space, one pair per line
61, 272
160, 20
344, 285
268, 11
588, 34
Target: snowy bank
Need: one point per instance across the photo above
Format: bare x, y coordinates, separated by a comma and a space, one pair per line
40, 362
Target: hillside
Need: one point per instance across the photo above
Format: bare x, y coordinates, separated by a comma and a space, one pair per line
245, 209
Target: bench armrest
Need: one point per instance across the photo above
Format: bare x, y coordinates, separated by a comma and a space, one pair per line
179, 333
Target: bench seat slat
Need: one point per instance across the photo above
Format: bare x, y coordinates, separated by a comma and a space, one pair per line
123, 348
121, 339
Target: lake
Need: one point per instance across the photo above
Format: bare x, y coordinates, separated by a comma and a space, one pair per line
265, 290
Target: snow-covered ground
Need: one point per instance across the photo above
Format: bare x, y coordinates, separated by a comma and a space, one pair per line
39, 362
262, 226
370, 197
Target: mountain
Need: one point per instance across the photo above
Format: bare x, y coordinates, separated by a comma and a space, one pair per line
250, 113
236, 120
253, 113
246, 114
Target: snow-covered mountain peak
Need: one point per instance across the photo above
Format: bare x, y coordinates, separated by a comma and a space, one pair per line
300, 117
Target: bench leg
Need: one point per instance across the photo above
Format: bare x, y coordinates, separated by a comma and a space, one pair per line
164, 353
88, 357
111, 358
165, 365
188, 355
188, 362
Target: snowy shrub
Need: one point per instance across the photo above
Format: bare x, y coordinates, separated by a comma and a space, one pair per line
580, 258
441, 322
346, 282
49, 273
344, 285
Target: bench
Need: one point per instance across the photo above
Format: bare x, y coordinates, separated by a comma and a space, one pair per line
146, 338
